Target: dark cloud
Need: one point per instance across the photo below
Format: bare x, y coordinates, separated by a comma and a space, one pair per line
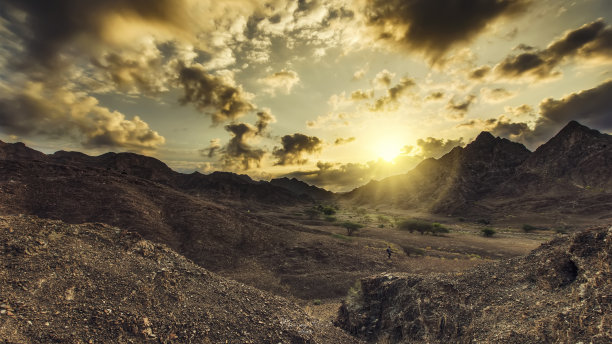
294, 147
238, 153
589, 41
390, 101
434, 96
51, 25
134, 73
213, 93
479, 73
435, 26
264, 118
432, 147
458, 110
342, 141
212, 150
590, 107
496, 95
41, 110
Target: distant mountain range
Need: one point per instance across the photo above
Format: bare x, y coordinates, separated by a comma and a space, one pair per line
571, 173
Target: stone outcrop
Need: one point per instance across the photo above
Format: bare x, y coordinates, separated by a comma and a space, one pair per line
560, 293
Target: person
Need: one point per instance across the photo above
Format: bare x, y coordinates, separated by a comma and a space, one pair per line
389, 251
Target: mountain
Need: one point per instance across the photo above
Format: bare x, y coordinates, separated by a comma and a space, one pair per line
453, 182
298, 187
223, 222
560, 293
18, 150
67, 283
571, 172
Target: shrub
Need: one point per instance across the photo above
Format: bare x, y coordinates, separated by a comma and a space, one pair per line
437, 229
488, 232
529, 228
326, 209
316, 302
330, 218
412, 225
312, 213
483, 221
351, 227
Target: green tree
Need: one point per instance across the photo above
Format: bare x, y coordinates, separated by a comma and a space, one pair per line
351, 227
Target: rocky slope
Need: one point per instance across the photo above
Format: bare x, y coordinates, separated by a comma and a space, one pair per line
560, 293
217, 228
570, 173
453, 182
298, 187
93, 283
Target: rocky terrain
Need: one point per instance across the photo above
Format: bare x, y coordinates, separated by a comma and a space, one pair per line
570, 174
93, 283
208, 219
560, 293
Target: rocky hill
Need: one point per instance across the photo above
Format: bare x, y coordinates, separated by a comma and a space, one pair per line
92, 283
560, 293
298, 187
206, 218
571, 172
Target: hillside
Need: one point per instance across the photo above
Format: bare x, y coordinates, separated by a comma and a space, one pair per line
225, 227
95, 283
560, 293
494, 176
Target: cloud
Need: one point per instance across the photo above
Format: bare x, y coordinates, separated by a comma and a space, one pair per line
496, 95
284, 80
383, 79
590, 41
479, 73
294, 147
435, 96
239, 153
213, 93
212, 149
433, 148
41, 110
359, 95
51, 27
590, 107
390, 101
345, 177
359, 74
342, 141
264, 118
435, 27
458, 110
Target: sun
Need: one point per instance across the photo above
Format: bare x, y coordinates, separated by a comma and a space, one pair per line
388, 149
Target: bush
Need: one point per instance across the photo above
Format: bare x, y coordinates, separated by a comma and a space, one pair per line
351, 227
316, 302
422, 227
483, 221
412, 225
330, 218
529, 228
437, 229
488, 232
326, 209
312, 213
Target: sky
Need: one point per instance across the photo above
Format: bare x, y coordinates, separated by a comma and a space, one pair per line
335, 93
